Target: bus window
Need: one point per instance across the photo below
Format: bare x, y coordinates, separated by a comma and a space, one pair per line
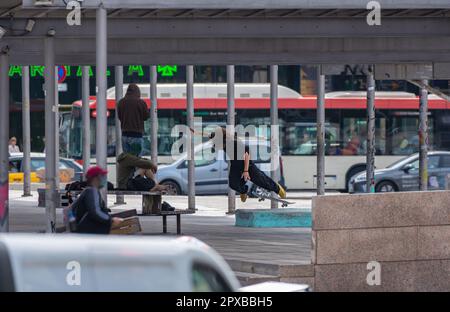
403, 134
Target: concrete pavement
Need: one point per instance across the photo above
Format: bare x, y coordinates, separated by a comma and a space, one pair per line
210, 224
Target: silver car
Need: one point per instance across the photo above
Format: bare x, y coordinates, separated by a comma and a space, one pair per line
211, 175
403, 175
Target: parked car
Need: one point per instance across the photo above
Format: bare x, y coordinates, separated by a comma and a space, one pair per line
38, 163
211, 175
403, 175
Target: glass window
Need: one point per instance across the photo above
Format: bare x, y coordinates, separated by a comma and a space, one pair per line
166, 121
69, 164
433, 163
110, 135
354, 134
76, 135
445, 161
299, 131
201, 161
300, 138
14, 165
206, 279
403, 134
37, 163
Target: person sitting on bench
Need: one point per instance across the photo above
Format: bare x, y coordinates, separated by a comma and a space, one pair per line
136, 173
144, 180
92, 215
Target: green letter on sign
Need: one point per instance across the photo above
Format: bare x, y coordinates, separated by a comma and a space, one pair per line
15, 70
167, 70
135, 68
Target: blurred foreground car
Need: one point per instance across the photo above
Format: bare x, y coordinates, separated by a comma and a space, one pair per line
403, 175
110, 263
70, 170
39, 262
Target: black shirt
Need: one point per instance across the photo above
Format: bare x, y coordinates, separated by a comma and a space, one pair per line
240, 148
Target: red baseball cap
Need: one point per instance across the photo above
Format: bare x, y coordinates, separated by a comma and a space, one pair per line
95, 172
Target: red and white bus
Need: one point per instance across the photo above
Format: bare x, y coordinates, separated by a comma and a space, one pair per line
397, 122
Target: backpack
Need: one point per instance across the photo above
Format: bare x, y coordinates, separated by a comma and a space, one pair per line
140, 183
76, 186
69, 215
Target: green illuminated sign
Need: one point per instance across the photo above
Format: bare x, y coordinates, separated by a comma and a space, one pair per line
135, 69
38, 71
167, 70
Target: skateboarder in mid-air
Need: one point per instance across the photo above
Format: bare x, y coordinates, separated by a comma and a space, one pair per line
243, 169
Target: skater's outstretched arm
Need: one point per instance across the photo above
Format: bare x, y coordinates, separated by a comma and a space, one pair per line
245, 174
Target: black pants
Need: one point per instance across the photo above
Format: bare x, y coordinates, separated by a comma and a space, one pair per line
258, 178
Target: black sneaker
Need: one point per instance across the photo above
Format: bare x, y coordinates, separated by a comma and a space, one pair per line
165, 206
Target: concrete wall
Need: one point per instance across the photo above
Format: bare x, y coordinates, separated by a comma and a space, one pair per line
407, 233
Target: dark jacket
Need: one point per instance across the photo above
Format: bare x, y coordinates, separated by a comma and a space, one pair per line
126, 165
132, 111
91, 213
239, 149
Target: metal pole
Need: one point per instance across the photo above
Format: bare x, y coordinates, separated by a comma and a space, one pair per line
154, 113
370, 156
57, 177
118, 72
190, 122
4, 138
274, 130
26, 135
86, 119
423, 138
50, 144
101, 62
320, 132
231, 123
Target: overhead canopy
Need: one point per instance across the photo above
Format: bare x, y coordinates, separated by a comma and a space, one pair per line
235, 32
253, 4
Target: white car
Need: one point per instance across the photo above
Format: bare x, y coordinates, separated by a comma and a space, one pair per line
40, 262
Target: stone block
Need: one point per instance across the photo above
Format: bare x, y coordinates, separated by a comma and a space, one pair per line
434, 242
381, 210
364, 245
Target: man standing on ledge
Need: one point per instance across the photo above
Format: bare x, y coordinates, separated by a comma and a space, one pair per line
132, 111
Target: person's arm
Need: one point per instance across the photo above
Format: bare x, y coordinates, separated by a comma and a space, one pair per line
144, 164
245, 174
92, 201
145, 113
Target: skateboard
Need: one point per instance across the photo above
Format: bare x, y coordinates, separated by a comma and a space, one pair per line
263, 194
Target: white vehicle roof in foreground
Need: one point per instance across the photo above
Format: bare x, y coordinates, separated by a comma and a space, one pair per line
41, 262
276, 287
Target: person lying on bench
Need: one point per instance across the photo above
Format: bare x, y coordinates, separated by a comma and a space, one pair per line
136, 173
92, 215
